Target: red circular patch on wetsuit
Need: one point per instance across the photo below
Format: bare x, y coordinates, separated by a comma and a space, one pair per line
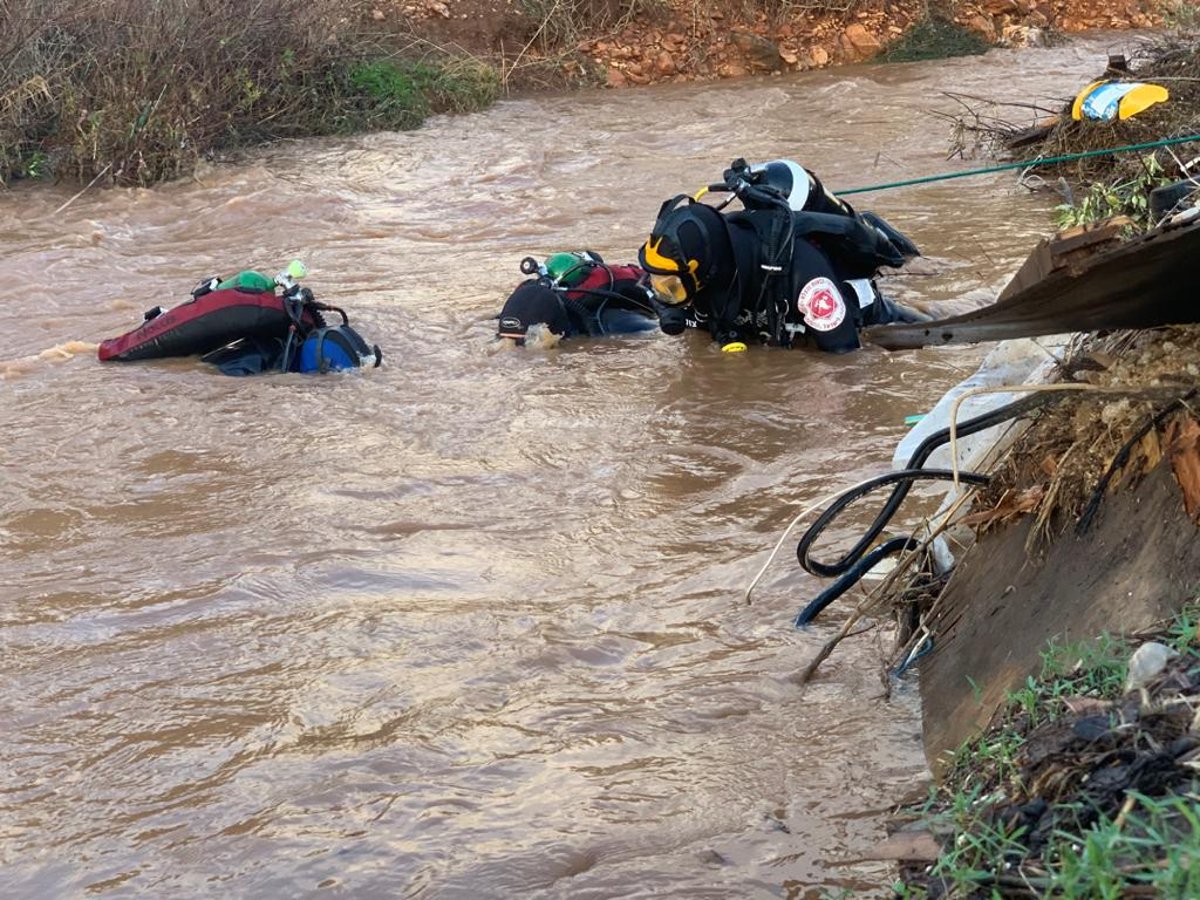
821, 304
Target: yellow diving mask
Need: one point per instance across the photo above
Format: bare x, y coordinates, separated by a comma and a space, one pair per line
669, 288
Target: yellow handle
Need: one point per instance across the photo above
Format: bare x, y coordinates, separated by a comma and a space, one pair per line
734, 347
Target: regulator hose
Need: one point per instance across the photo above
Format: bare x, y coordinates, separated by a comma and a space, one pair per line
857, 561
607, 295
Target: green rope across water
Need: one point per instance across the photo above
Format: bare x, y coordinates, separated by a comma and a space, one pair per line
1028, 164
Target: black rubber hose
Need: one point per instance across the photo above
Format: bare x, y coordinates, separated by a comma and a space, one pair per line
903, 485
855, 564
904, 479
856, 571
863, 563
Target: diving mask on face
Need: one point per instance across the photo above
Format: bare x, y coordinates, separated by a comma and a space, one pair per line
669, 288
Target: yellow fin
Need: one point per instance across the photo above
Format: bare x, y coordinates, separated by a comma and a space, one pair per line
1141, 97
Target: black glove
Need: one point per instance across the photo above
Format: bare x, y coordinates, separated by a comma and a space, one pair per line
672, 320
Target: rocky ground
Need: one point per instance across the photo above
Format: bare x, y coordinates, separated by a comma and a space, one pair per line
689, 40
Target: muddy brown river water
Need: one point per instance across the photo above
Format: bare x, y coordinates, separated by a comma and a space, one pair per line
469, 625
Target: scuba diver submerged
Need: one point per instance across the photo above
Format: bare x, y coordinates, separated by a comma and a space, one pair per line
578, 294
243, 326
794, 262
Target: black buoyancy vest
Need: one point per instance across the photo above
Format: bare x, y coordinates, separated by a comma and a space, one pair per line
766, 288
856, 248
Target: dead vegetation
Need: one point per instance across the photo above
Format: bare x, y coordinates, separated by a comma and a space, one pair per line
136, 92
1070, 156
1085, 446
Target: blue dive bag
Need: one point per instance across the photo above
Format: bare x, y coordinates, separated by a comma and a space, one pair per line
334, 348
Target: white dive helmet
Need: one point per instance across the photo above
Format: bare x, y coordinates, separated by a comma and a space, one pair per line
787, 177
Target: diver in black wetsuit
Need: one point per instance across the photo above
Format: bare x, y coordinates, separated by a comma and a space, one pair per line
578, 294
796, 263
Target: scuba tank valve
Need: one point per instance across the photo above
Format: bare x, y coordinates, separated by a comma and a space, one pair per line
562, 269
288, 278
530, 266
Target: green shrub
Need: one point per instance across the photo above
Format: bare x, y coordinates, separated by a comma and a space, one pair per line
391, 93
1124, 197
403, 93
934, 38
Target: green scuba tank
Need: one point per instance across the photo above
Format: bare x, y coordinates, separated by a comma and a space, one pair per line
570, 268
248, 280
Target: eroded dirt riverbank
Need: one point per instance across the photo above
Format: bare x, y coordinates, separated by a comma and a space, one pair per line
637, 44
